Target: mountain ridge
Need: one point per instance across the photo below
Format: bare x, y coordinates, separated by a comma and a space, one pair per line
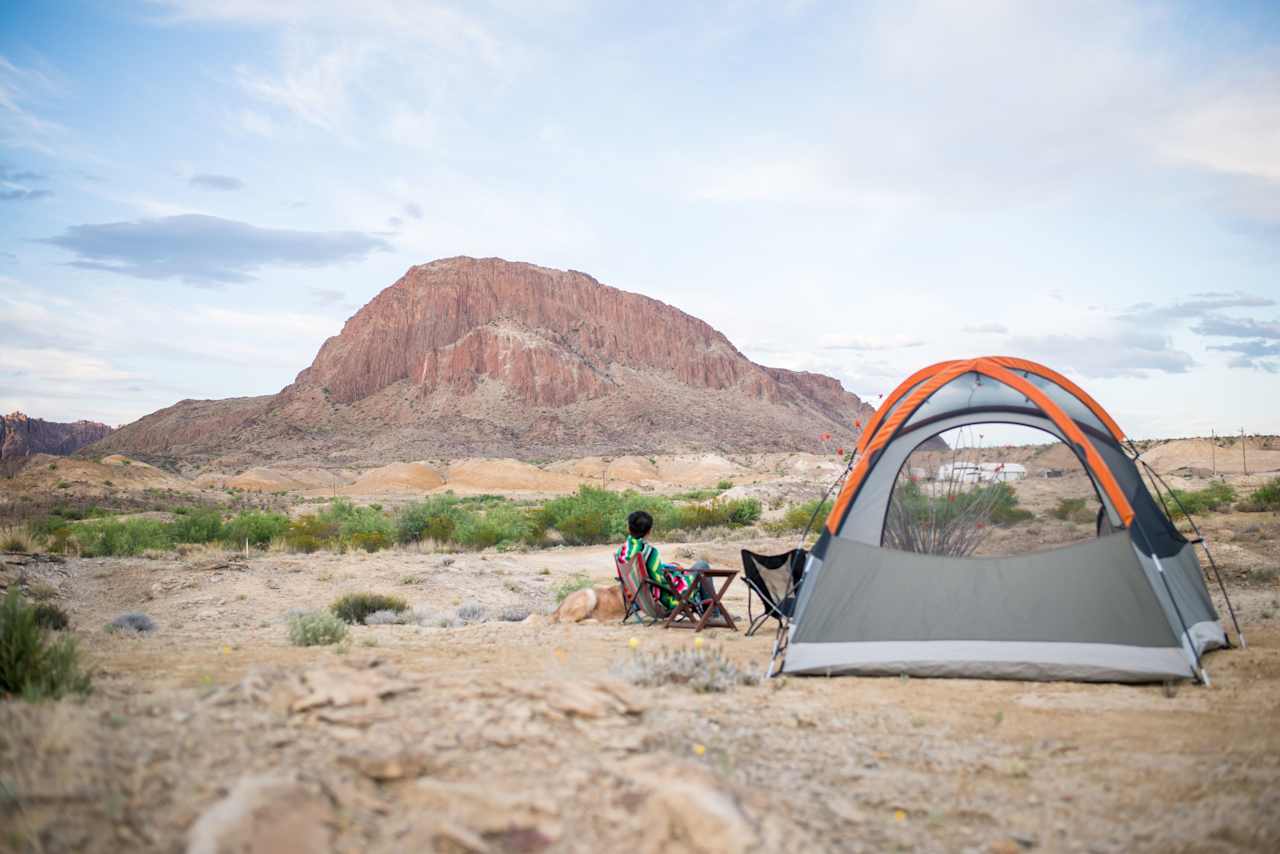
485, 357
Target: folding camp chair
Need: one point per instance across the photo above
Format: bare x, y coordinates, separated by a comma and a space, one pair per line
775, 579
641, 595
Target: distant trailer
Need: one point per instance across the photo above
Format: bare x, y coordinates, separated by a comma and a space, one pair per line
966, 472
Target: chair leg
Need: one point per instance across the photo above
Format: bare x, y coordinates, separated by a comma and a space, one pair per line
755, 624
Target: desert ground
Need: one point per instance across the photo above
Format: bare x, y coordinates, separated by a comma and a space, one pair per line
529, 735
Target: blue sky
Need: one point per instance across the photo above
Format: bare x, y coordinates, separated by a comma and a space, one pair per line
194, 195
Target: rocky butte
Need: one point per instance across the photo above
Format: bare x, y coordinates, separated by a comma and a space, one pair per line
485, 357
22, 436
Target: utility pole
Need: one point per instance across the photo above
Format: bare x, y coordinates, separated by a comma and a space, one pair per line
1244, 461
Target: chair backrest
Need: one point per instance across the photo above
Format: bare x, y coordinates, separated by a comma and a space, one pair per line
775, 578
633, 575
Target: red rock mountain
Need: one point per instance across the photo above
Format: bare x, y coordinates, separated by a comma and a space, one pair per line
22, 436
484, 357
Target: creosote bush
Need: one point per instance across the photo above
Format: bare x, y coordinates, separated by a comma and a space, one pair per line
316, 628
1216, 496
32, 665
354, 607
1074, 510
1264, 498
705, 671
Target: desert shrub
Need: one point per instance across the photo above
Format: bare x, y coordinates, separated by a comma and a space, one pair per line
472, 613
316, 628
363, 527
953, 523
717, 513
386, 618
563, 588
1215, 496
1265, 497
32, 666
703, 671
586, 527
514, 614
1073, 509
500, 524
112, 537
354, 607
16, 540
134, 621
1004, 505
798, 516
257, 527
196, 526
432, 519
50, 616
309, 534
724, 485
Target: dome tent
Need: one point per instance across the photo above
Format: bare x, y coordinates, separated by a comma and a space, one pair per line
1129, 606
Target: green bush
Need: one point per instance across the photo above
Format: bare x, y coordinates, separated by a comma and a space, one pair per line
258, 527
370, 524
1005, 509
586, 527
798, 516
733, 514
196, 526
436, 518
562, 589
502, 525
1265, 497
31, 665
1072, 509
354, 607
724, 485
316, 628
309, 534
1215, 496
114, 537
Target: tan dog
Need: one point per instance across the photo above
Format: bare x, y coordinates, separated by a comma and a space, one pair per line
591, 603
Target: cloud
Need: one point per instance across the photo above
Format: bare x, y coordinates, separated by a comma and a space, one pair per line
1264, 355
1221, 326
985, 328
1147, 313
1123, 353
23, 177
206, 250
209, 181
23, 195
867, 342
413, 209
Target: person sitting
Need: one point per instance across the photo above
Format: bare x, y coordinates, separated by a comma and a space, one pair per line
671, 575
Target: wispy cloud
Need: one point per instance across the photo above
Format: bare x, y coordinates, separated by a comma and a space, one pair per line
868, 342
1123, 353
210, 181
985, 328
206, 250
1263, 355
1147, 313
1236, 327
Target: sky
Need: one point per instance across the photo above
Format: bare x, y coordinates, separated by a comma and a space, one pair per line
195, 194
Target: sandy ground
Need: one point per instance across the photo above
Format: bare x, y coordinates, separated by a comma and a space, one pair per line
520, 737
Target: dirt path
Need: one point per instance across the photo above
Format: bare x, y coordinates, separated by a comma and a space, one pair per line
525, 742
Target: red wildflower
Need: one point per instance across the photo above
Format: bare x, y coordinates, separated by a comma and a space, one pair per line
840, 452
826, 437
981, 526
951, 498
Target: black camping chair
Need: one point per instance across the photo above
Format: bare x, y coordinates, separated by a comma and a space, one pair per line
775, 579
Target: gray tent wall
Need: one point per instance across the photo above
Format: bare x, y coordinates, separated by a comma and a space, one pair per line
1109, 610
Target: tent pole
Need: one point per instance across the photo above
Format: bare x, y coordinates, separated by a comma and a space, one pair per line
1204, 544
1186, 632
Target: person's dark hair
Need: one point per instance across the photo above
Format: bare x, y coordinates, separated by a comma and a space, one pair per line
639, 524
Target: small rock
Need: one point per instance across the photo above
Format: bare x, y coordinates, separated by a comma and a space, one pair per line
383, 767
264, 815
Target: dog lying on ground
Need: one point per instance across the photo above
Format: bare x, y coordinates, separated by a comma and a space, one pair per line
591, 603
